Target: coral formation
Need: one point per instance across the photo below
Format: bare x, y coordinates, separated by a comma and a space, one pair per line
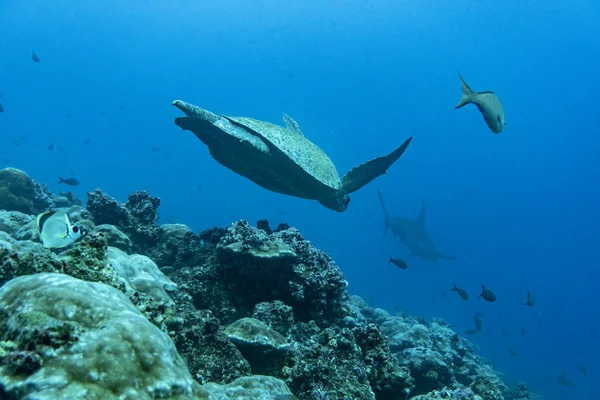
195, 316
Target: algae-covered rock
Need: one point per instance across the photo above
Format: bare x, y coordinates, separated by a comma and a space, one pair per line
102, 347
12, 221
263, 347
208, 353
28, 231
17, 191
114, 236
256, 387
141, 274
276, 314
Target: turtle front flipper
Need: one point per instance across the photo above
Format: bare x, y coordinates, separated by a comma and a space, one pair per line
196, 112
359, 176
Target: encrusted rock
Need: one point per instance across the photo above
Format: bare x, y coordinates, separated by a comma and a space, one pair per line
17, 191
114, 236
261, 345
12, 221
208, 353
276, 314
107, 343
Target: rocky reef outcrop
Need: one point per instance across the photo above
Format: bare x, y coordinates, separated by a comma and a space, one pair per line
243, 312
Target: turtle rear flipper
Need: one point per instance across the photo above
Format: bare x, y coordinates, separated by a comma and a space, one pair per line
359, 176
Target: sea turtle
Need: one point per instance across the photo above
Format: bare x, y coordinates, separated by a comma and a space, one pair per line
279, 158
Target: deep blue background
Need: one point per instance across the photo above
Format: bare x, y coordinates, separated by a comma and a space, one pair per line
519, 209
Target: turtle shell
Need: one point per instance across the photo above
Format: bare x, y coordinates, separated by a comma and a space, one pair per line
312, 165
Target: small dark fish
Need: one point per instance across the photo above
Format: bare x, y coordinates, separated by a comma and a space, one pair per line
505, 333
471, 332
562, 378
512, 351
487, 294
461, 292
51, 146
398, 263
86, 141
433, 300
582, 369
34, 57
530, 300
478, 322
154, 149
68, 181
1, 108
523, 332
15, 143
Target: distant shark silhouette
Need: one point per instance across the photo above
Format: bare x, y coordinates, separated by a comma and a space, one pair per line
413, 234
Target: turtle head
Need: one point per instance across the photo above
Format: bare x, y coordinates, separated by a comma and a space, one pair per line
338, 202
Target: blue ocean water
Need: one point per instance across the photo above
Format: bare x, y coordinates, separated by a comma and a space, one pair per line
519, 210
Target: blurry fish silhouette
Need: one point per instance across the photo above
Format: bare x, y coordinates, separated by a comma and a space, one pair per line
582, 369
488, 104
478, 322
1, 108
68, 181
487, 294
413, 234
398, 263
34, 57
461, 292
86, 141
51, 146
562, 378
523, 332
56, 231
470, 332
530, 300
512, 351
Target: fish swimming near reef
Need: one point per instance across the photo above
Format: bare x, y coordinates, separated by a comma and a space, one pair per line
530, 300
461, 292
56, 230
487, 294
68, 181
398, 263
488, 103
413, 234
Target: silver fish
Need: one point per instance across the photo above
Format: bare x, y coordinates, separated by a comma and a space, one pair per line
488, 104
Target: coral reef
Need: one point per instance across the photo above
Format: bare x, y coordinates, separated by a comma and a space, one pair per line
103, 339
167, 245
195, 316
